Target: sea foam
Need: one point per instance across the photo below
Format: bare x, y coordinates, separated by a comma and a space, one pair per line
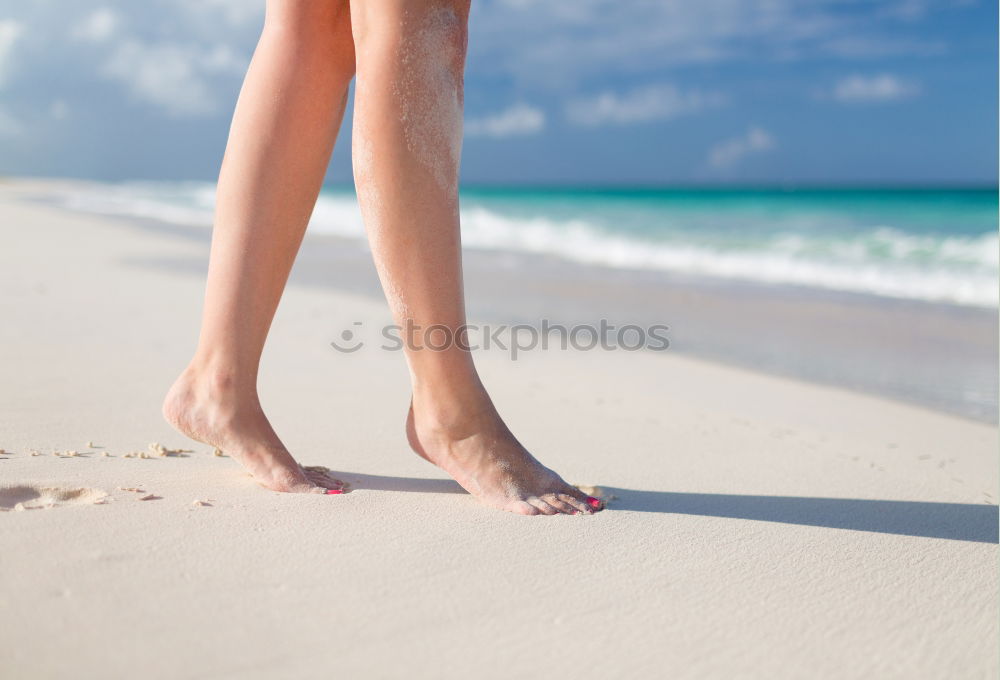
829, 250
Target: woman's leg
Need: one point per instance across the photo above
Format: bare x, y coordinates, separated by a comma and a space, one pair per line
280, 142
407, 141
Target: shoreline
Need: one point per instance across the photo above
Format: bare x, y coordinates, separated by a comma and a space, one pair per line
938, 355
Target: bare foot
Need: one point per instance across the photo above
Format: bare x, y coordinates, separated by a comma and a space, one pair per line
210, 411
482, 455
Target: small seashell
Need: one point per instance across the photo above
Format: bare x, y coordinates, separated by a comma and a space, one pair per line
90, 445
19, 507
203, 504
35, 453
105, 454
149, 497
164, 451
218, 453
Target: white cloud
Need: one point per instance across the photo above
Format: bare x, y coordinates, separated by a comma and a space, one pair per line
883, 87
222, 59
173, 76
909, 10
562, 43
654, 102
10, 31
233, 12
98, 27
59, 109
729, 152
518, 119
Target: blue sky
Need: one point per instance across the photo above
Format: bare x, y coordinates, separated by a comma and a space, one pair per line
557, 91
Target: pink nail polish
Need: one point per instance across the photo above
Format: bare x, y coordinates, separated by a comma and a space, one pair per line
593, 502
333, 491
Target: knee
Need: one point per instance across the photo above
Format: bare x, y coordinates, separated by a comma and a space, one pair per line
307, 17
313, 25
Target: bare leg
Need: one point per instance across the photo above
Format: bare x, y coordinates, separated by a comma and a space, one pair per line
407, 141
280, 142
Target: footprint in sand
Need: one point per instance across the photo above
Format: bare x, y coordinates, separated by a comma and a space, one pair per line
32, 497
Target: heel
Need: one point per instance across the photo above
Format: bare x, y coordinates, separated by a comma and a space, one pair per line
411, 435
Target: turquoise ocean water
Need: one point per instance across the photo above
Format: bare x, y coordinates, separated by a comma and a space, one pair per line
923, 244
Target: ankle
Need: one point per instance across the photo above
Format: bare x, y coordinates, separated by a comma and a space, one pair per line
452, 411
216, 381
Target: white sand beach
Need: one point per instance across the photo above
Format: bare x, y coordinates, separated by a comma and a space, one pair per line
758, 527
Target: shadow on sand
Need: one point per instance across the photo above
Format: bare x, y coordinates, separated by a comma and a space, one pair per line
956, 521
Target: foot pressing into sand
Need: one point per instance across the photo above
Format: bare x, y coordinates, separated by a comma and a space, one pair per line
477, 449
213, 411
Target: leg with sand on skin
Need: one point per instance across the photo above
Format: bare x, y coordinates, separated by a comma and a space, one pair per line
280, 143
407, 142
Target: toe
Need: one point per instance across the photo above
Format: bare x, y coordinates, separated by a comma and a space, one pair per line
592, 504
522, 508
287, 481
559, 504
322, 477
542, 506
575, 503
